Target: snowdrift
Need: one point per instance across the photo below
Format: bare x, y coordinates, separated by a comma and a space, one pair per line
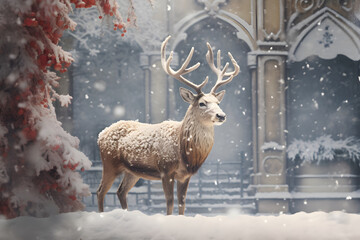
120, 224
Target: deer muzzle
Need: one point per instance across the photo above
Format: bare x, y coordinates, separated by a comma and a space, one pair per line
221, 117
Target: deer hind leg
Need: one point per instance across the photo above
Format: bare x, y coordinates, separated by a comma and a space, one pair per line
107, 180
181, 194
168, 186
127, 183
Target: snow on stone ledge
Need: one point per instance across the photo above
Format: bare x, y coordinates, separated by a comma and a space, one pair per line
272, 146
120, 224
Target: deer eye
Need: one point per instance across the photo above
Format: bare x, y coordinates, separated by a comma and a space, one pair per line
202, 104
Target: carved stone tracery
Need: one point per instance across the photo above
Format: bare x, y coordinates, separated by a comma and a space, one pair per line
303, 6
212, 7
347, 5
270, 25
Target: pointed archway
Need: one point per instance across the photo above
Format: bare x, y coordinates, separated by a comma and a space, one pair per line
325, 34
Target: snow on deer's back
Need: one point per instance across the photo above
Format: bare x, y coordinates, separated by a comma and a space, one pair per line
142, 146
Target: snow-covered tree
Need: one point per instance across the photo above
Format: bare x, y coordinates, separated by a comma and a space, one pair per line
38, 159
92, 27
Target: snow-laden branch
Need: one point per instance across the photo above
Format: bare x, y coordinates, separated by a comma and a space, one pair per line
324, 148
149, 34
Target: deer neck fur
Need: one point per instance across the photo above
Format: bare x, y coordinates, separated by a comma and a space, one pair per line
196, 141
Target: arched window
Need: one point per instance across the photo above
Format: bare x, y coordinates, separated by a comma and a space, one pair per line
323, 98
234, 136
107, 88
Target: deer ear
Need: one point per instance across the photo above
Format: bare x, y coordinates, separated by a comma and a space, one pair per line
187, 95
220, 95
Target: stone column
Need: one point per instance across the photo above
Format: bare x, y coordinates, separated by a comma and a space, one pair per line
269, 64
158, 87
155, 87
144, 64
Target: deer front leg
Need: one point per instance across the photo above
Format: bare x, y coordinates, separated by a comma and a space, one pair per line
168, 186
181, 194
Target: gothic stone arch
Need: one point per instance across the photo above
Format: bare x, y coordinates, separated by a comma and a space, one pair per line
333, 34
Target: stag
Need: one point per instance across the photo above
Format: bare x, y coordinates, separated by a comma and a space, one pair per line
169, 150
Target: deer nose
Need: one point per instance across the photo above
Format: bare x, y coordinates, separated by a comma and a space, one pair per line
221, 117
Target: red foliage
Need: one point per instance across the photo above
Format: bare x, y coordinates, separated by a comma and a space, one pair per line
71, 166
72, 197
30, 22
5, 208
30, 133
106, 7
53, 28
56, 147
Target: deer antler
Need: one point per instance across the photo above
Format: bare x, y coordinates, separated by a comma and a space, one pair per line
221, 73
183, 69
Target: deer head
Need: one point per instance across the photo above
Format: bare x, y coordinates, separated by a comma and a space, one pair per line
203, 106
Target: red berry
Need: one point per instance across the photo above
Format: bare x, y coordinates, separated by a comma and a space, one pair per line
106, 8
72, 197
59, 23
58, 67
33, 44
29, 133
80, 5
43, 60
100, 17
21, 112
91, 2
30, 22
56, 147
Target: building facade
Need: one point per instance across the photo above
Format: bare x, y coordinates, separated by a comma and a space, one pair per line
299, 81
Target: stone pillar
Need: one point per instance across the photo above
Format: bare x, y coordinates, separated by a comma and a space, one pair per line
144, 64
269, 64
157, 85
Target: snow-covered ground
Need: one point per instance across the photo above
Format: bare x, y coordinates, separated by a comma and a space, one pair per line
120, 224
